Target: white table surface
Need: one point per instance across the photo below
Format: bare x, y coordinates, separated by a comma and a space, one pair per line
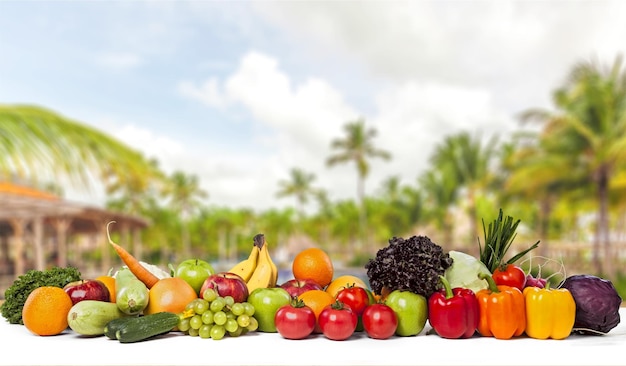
20, 347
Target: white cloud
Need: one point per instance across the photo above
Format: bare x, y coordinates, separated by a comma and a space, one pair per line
413, 118
168, 152
520, 50
297, 122
308, 114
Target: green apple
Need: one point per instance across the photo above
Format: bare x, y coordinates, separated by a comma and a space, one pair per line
411, 309
194, 272
266, 302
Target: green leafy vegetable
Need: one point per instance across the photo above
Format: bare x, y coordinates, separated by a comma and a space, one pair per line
465, 270
15, 296
498, 239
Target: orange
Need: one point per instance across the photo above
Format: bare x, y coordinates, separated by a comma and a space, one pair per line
45, 311
317, 300
342, 282
169, 294
314, 264
109, 282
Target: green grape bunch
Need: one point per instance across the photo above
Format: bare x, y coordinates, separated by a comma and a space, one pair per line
213, 316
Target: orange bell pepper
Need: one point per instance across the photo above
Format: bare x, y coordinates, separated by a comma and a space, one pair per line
502, 310
550, 313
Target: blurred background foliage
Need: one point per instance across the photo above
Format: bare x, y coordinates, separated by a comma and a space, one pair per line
564, 177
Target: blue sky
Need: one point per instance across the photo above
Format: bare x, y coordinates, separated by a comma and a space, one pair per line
238, 93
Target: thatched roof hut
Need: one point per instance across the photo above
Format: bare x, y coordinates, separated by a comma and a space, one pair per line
39, 230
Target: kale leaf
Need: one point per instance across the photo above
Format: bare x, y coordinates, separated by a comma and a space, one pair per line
412, 264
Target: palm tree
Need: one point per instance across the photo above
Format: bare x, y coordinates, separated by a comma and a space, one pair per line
395, 209
133, 195
590, 124
40, 144
441, 190
533, 178
298, 186
390, 188
471, 163
185, 197
345, 226
357, 147
217, 226
323, 219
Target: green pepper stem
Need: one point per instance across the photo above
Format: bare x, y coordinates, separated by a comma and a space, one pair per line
492, 284
446, 286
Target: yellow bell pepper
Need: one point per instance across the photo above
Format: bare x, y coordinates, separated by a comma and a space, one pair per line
550, 313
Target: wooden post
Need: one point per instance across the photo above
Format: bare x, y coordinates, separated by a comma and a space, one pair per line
7, 266
18, 226
61, 226
40, 264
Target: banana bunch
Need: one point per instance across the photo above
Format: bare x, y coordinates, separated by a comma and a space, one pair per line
258, 270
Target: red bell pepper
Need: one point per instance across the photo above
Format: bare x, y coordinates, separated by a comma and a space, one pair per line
453, 312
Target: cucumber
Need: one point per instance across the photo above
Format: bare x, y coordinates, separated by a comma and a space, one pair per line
114, 325
89, 317
131, 294
147, 326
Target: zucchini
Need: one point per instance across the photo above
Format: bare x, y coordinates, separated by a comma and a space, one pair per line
89, 317
132, 295
114, 325
147, 326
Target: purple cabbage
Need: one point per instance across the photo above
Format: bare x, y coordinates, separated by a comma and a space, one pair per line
597, 303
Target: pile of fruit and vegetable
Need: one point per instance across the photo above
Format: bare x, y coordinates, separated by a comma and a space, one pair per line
412, 281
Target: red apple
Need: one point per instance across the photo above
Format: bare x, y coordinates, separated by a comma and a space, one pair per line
296, 287
87, 290
227, 284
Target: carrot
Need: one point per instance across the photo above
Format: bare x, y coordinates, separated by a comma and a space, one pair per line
133, 264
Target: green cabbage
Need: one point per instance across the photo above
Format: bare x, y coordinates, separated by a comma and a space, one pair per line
464, 272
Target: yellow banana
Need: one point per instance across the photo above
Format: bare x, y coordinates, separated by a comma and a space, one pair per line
263, 273
259, 240
274, 279
246, 267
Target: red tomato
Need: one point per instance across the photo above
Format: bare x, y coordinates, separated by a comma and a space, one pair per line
510, 275
355, 297
295, 320
338, 321
379, 321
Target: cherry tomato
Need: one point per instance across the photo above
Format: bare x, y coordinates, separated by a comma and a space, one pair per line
355, 297
510, 275
295, 320
338, 321
379, 321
